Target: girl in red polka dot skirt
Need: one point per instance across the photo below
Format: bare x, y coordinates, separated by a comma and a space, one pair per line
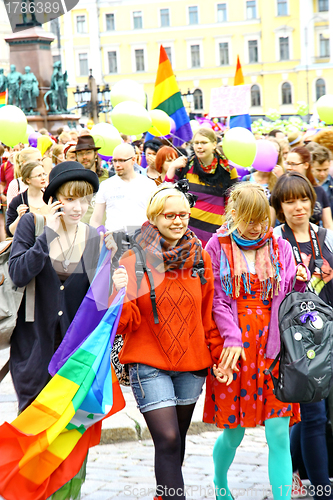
253, 271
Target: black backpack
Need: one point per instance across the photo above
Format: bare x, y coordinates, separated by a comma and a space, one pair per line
306, 351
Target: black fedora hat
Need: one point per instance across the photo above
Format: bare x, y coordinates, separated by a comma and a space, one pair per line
69, 171
85, 142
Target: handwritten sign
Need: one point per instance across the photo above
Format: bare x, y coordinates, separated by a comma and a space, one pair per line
229, 101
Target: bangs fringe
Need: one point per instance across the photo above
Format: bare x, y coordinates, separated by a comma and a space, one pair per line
78, 189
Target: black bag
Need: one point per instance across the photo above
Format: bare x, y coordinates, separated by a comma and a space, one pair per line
306, 352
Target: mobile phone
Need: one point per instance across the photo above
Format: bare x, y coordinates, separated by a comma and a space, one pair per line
61, 209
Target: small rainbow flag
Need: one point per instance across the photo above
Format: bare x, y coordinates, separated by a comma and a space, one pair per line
240, 120
2, 99
168, 98
45, 446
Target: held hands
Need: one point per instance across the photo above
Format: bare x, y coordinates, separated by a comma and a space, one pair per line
301, 274
21, 209
229, 357
223, 376
120, 278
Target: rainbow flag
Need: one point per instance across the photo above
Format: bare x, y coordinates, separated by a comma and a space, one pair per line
2, 99
168, 98
45, 446
240, 120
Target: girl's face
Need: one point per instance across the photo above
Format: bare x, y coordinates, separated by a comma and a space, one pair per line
173, 221
37, 178
294, 163
166, 164
203, 147
74, 208
296, 211
253, 230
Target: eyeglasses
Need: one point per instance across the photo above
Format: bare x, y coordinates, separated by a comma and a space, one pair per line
173, 216
253, 223
291, 164
120, 160
202, 143
39, 176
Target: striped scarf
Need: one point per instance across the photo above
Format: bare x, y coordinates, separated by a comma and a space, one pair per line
163, 257
234, 268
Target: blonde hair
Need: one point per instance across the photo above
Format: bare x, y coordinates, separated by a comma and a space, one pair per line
247, 202
77, 189
206, 132
24, 156
56, 151
157, 201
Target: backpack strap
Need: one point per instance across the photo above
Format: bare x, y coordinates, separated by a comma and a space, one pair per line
141, 268
30, 289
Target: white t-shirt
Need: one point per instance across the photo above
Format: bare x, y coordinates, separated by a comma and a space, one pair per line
126, 202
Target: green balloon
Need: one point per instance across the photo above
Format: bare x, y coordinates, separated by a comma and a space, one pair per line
127, 90
105, 137
325, 108
131, 118
13, 125
239, 146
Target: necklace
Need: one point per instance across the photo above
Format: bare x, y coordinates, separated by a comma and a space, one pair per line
66, 261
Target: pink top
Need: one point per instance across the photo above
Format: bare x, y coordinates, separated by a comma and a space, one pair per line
13, 189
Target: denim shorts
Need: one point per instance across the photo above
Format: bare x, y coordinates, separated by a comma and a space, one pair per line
154, 388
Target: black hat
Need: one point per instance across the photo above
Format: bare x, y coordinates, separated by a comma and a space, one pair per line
69, 171
86, 142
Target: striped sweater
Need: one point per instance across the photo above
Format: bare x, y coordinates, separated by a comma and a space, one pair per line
207, 214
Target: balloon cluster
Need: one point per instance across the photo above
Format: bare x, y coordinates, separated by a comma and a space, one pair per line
302, 108
273, 114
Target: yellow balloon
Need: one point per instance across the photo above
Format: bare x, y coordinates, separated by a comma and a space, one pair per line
90, 124
161, 124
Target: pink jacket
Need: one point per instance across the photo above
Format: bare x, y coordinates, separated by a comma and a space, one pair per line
225, 311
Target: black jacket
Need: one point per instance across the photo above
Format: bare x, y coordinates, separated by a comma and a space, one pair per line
11, 214
33, 344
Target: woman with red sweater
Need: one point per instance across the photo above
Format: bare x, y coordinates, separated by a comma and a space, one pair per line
165, 346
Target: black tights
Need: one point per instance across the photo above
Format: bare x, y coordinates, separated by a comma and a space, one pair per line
168, 428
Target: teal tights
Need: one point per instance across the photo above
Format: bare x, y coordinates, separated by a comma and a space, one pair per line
279, 460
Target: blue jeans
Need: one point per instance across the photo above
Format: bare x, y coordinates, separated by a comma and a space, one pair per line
308, 445
154, 388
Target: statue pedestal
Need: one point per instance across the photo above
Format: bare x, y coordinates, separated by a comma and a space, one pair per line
32, 47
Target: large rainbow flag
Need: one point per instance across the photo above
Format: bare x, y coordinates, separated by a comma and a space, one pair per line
45, 446
168, 98
240, 120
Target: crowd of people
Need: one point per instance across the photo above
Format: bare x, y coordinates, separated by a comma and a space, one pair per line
220, 260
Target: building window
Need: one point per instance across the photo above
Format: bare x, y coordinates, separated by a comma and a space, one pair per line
83, 63
284, 48
255, 96
224, 53
165, 18
139, 60
324, 46
137, 20
253, 51
323, 5
197, 100
81, 24
251, 9
195, 56
221, 12
112, 58
320, 88
286, 93
282, 7
109, 22
193, 15
168, 52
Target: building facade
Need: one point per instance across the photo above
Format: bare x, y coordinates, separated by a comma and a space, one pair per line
284, 46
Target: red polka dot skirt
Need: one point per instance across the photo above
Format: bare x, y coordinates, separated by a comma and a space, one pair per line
249, 400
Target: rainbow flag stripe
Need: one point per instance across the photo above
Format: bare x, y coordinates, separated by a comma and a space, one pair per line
168, 98
240, 120
45, 446
2, 99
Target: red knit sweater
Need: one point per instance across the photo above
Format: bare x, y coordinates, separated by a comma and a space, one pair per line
184, 307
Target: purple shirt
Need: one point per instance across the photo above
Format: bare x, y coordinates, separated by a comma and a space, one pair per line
225, 310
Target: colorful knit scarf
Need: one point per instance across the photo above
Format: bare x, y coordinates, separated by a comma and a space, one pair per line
218, 178
163, 257
234, 268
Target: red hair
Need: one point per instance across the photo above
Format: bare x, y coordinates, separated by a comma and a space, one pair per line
163, 154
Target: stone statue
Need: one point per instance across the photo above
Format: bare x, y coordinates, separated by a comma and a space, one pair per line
13, 85
29, 91
3, 81
59, 84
